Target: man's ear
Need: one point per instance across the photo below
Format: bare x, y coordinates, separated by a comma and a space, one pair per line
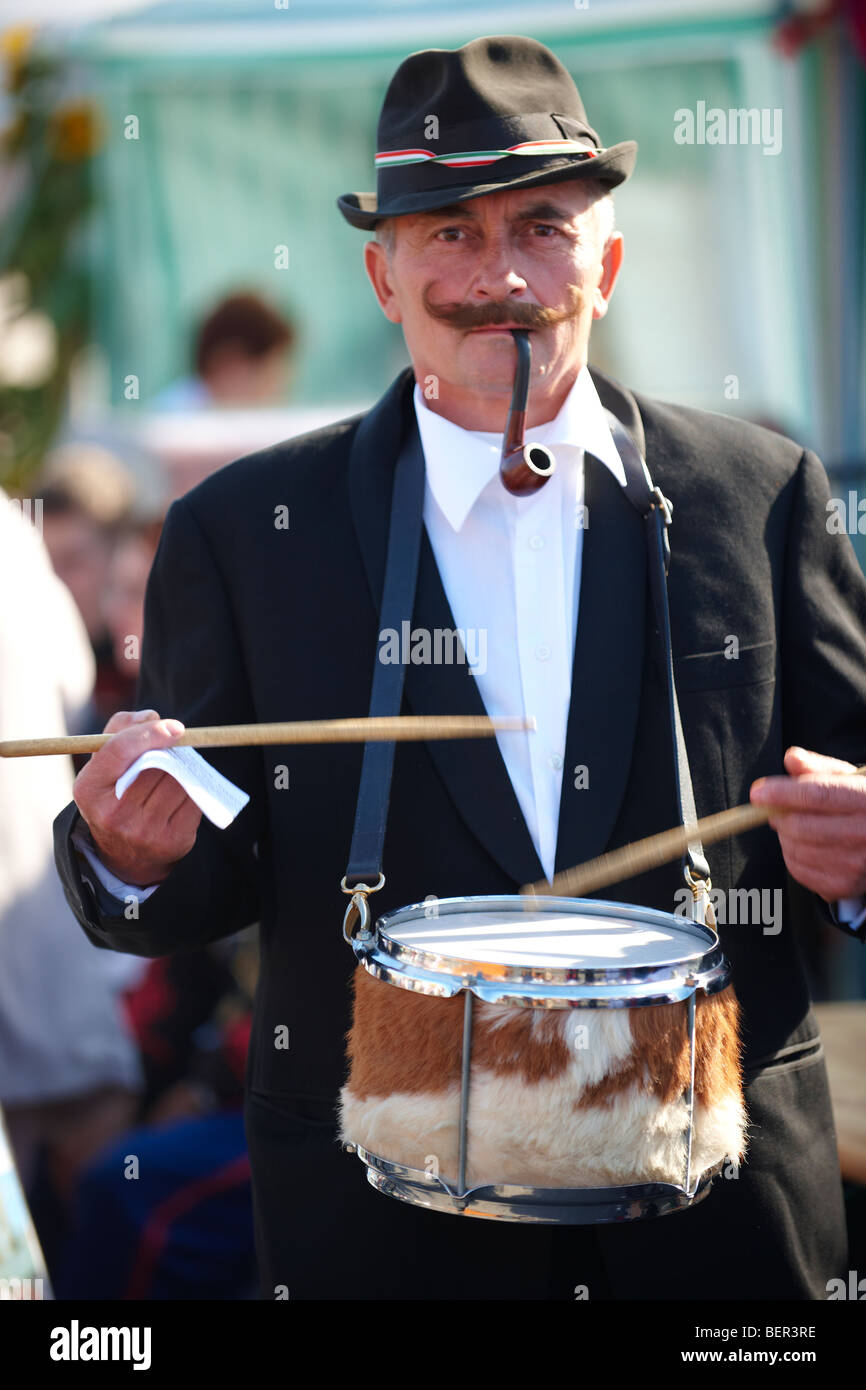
378, 269
611, 262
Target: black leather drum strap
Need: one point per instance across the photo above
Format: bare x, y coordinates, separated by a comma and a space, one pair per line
398, 601
656, 512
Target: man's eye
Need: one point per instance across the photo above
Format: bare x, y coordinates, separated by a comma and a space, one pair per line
545, 227
449, 233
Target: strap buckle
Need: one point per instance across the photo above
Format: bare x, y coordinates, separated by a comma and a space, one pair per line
702, 906
664, 505
356, 922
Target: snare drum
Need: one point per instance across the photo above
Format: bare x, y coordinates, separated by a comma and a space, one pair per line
548, 1059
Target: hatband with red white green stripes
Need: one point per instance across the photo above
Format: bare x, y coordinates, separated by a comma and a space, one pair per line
387, 159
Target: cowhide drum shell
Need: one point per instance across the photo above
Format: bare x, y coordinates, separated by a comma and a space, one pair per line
578, 1097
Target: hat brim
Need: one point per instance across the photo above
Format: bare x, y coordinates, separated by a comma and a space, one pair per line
612, 168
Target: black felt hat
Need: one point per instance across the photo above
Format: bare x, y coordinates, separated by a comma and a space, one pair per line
501, 112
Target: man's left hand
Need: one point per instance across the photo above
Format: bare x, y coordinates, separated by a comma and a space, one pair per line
819, 814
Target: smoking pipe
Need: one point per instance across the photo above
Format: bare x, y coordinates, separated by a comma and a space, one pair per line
523, 468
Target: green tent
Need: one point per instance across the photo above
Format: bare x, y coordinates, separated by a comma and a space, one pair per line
231, 128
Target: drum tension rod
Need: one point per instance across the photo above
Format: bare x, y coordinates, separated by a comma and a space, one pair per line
464, 1092
690, 1093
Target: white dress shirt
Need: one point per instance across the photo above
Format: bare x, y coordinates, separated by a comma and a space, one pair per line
83, 842
510, 568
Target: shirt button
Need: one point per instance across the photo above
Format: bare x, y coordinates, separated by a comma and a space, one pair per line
543, 652
555, 762
537, 542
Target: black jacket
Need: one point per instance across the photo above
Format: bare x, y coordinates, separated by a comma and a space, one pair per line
247, 620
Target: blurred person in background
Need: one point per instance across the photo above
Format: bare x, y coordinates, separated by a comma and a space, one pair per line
184, 1229
190, 1016
122, 601
69, 1068
240, 359
87, 494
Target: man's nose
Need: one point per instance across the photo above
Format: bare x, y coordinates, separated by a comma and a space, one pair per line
497, 275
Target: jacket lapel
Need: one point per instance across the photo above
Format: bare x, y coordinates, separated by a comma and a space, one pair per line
472, 769
608, 654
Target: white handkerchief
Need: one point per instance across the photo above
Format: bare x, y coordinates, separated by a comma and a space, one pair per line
219, 799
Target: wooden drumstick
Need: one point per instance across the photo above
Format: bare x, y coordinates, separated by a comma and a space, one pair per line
378, 730
637, 858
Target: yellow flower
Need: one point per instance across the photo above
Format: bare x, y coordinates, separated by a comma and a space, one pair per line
15, 42
15, 45
75, 131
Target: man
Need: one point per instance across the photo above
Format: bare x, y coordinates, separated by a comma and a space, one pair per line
247, 620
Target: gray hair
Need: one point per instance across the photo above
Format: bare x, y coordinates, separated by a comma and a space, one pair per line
605, 213
385, 233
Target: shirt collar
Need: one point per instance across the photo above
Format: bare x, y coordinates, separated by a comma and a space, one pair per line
460, 463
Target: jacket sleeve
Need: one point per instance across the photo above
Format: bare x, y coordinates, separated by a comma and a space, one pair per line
191, 669
824, 637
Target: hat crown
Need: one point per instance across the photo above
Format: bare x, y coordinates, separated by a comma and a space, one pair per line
501, 112
499, 79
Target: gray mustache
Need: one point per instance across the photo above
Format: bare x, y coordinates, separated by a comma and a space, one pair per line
499, 311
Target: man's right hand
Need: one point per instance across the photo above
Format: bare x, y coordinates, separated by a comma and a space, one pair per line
154, 824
